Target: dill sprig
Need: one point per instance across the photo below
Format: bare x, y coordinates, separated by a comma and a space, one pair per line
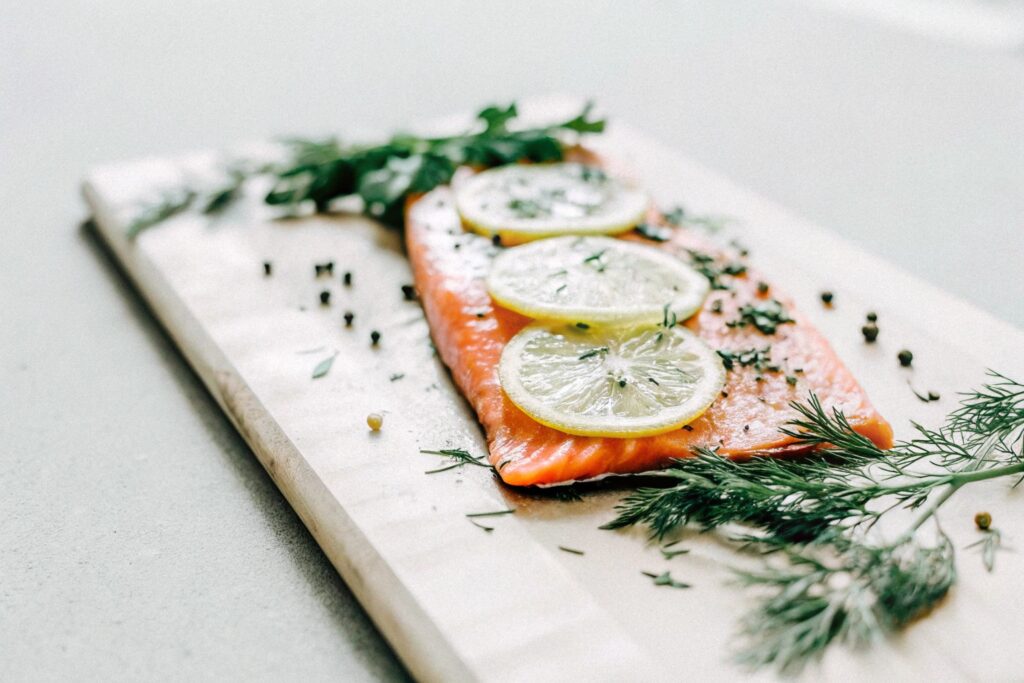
317, 172
837, 581
458, 457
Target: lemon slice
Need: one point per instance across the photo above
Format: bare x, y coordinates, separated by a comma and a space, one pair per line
612, 381
523, 202
595, 280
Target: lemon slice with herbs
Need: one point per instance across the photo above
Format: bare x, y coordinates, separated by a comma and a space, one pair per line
522, 202
610, 381
595, 280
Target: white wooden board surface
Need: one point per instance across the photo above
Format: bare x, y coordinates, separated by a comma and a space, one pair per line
458, 603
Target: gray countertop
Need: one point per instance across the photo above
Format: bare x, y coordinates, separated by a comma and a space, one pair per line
141, 538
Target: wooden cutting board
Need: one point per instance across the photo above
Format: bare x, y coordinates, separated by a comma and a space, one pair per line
460, 603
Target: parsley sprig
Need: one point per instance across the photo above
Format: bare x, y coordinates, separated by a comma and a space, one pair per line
318, 172
838, 580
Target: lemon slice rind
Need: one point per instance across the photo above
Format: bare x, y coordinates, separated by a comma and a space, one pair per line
619, 382
596, 280
523, 202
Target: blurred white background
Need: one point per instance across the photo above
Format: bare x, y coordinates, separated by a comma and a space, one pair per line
141, 539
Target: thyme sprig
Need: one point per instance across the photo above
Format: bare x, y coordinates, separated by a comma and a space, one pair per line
838, 581
320, 171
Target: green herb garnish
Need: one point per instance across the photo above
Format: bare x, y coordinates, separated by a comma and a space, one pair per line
759, 359
835, 578
593, 352
665, 579
459, 458
495, 513
317, 172
766, 316
324, 366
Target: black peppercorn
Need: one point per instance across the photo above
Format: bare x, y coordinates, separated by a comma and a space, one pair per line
349, 317
409, 292
268, 267
325, 298
374, 337
872, 317
826, 298
870, 332
905, 357
346, 279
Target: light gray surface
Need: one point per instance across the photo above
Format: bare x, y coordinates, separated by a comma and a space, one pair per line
141, 539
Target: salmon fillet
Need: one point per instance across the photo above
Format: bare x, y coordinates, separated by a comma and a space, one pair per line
469, 330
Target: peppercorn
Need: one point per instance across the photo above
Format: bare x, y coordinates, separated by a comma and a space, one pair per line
496, 240
762, 288
375, 421
346, 279
349, 317
826, 298
409, 292
374, 337
905, 358
870, 332
268, 267
325, 298
716, 306
983, 520
872, 317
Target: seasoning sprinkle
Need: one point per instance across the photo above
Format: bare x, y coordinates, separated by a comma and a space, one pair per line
495, 513
826, 298
408, 292
324, 366
665, 579
346, 278
870, 332
268, 268
872, 317
496, 240
374, 337
762, 288
668, 553
571, 551
325, 298
983, 520
905, 358
349, 317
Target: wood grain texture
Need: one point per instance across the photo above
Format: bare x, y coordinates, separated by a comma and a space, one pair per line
459, 603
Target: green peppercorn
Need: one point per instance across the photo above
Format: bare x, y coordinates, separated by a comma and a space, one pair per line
870, 332
983, 520
905, 358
